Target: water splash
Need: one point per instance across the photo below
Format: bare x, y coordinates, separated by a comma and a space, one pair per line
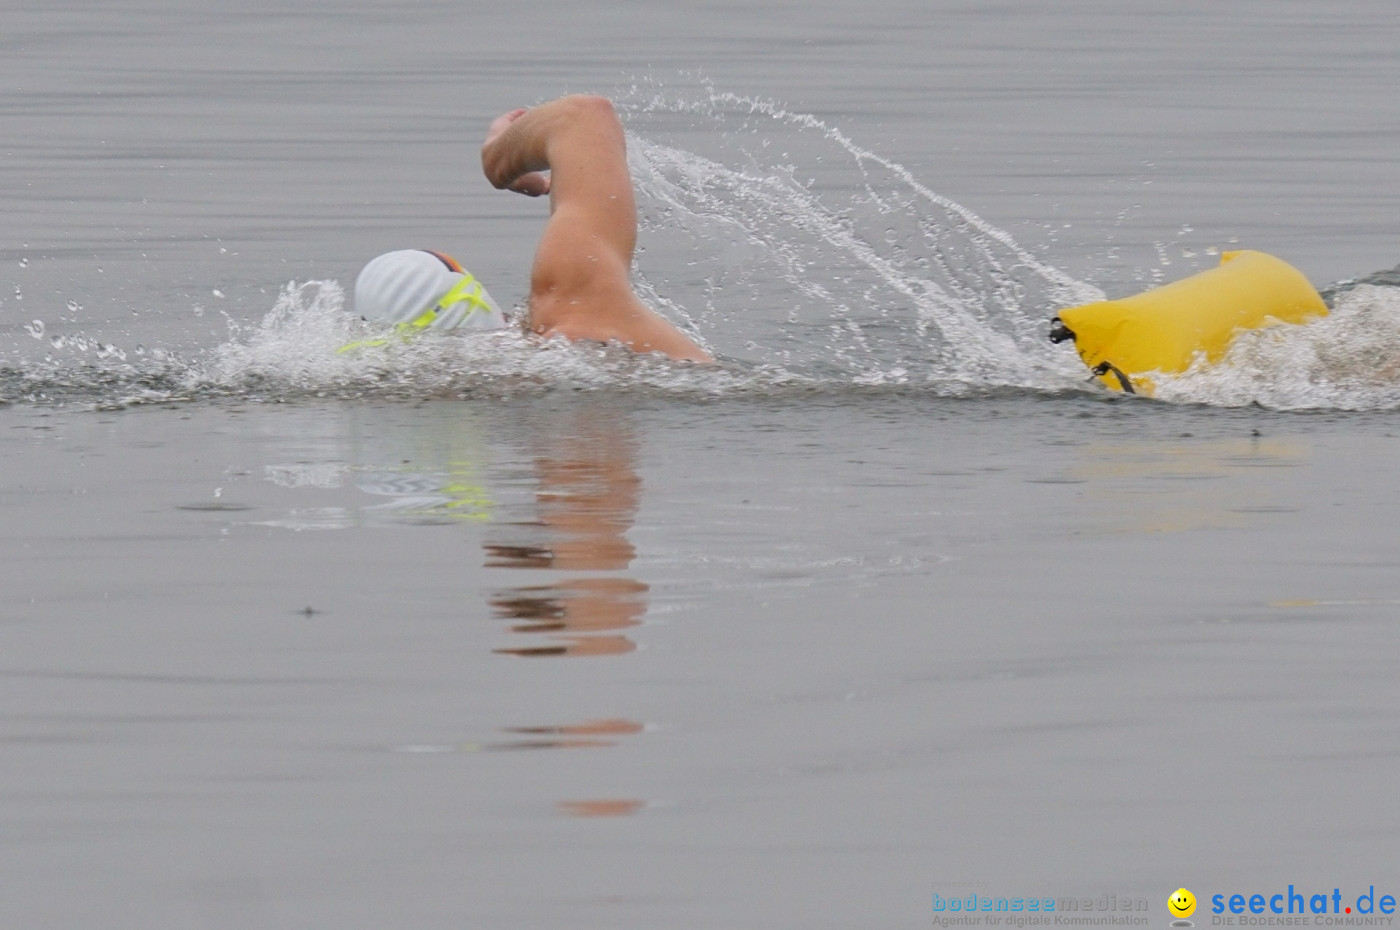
1349, 360
791, 245
295, 351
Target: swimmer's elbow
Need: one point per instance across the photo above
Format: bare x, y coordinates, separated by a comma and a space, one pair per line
593, 111
591, 104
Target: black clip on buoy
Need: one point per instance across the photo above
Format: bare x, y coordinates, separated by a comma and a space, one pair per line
1103, 368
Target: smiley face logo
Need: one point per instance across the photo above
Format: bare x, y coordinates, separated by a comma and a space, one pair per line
1182, 903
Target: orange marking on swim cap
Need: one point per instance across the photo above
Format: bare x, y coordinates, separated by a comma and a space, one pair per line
447, 260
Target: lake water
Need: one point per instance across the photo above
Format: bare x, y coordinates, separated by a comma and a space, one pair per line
891, 604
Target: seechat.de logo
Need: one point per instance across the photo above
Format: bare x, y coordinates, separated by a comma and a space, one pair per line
1293, 901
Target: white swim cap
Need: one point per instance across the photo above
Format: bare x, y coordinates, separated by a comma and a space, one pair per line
418, 289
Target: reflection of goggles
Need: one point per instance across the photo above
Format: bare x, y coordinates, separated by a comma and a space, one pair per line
456, 495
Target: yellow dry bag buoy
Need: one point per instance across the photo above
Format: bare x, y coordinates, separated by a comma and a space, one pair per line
1166, 328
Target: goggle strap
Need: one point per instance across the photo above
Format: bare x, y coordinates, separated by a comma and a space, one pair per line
468, 290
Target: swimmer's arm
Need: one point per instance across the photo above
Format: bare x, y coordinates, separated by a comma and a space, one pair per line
580, 142
579, 284
580, 289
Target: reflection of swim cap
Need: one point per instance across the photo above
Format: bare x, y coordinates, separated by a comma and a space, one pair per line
418, 289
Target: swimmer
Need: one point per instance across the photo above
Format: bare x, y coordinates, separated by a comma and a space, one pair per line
574, 150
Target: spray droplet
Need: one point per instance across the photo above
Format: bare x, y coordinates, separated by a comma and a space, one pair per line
35, 329
218, 293
24, 263
74, 306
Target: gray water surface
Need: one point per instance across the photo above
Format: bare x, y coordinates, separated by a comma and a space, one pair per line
491, 635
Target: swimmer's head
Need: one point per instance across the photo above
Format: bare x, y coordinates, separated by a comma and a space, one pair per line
418, 289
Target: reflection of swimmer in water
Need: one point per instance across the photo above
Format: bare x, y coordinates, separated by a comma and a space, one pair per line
574, 150
585, 504
579, 286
